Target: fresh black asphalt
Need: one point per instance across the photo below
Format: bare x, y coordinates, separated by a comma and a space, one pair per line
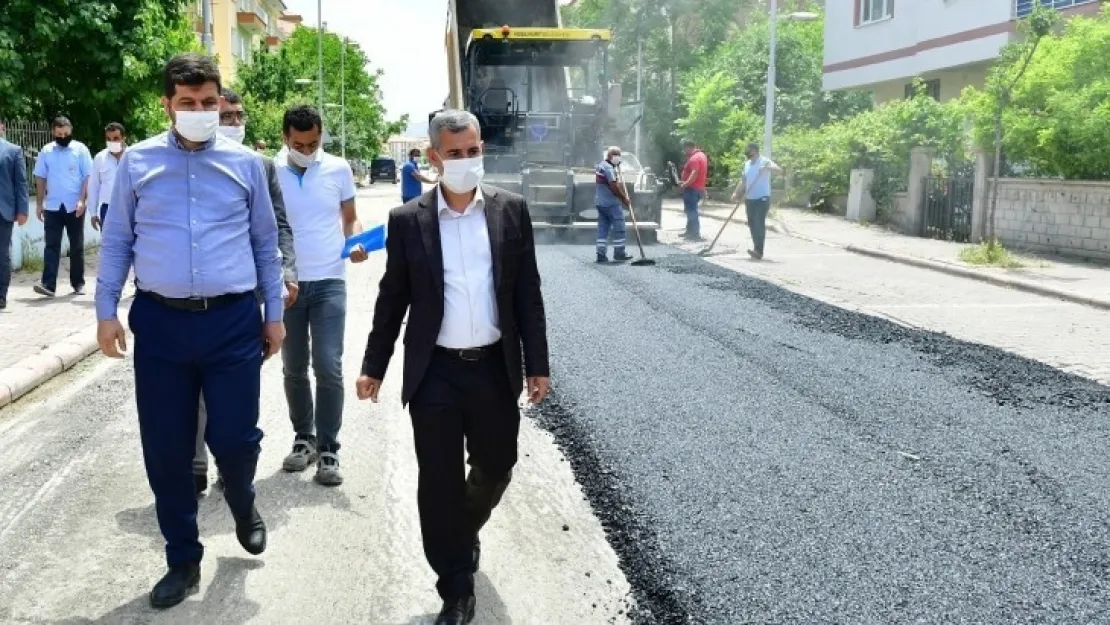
760, 457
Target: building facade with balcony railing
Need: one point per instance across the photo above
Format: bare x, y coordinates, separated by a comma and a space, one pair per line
877, 46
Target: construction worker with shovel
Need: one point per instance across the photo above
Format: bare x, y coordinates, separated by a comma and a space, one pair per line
610, 199
755, 185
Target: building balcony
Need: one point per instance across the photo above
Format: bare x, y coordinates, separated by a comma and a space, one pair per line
251, 21
273, 41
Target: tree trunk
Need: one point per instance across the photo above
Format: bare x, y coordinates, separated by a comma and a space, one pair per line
991, 240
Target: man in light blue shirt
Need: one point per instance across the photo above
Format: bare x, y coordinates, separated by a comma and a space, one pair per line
13, 206
61, 173
192, 212
755, 185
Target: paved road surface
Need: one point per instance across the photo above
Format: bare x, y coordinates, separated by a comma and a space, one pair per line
755, 456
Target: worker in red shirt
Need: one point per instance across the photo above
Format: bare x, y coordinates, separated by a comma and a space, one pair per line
695, 173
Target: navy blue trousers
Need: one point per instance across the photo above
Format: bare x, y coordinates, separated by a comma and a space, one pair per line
178, 356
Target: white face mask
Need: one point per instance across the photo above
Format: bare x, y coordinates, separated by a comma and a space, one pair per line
235, 133
616, 160
197, 126
115, 147
299, 159
463, 175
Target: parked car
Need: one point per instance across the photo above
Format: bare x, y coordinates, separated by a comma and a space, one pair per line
383, 168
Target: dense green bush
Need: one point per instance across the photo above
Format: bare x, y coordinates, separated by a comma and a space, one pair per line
821, 159
1057, 121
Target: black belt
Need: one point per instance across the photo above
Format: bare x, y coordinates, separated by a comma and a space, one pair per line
197, 304
471, 354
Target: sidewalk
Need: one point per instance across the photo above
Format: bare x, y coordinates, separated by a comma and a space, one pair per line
42, 337
1073, 281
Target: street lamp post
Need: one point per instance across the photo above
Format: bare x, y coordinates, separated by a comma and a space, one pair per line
320, 26
206, 15
343, 99
769, 116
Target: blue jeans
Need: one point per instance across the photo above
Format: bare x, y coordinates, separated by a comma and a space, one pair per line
179, 356
314, 329
610, 220
690, 200
757, 210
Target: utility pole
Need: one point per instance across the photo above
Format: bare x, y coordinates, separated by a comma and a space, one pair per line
206, 15
343, 99
769, 114
639, 77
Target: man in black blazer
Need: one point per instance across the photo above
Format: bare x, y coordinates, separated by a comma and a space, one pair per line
461, 261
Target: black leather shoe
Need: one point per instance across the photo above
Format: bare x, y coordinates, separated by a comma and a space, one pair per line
180, 582
251, 533
457, 612
200, 483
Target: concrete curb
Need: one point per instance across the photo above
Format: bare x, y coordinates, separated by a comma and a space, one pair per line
32, 372
924, 263
973, 274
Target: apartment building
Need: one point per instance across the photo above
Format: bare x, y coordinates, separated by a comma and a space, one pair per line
240, 27
880, 47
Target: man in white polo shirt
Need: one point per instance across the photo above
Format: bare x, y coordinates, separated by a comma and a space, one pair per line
319, 192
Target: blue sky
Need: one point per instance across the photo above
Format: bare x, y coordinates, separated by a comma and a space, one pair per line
402, 37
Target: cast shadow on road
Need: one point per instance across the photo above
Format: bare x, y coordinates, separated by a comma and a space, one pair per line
224, 601
491, 609
277, 495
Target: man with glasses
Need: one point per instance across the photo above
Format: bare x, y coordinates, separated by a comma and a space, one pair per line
233, 125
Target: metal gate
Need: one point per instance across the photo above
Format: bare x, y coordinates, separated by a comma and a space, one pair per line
31, 136
947, 211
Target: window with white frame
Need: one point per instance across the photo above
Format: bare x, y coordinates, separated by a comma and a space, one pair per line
875, 10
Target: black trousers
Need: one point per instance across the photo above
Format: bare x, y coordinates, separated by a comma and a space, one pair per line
55, 224
461, 401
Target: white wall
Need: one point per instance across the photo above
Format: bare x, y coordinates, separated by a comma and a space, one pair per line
913, 23
31, 234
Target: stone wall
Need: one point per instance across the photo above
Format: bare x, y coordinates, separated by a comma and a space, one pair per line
28, 238
1054, 216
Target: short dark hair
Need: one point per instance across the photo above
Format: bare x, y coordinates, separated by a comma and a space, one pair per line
752, 146
61, 122
189, 69
116, 127
301, 118
415, 152
231, 97
689, 143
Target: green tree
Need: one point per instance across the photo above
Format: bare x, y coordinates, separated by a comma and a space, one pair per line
724, 98
1000, 84
269, 85
676, 36
94, 61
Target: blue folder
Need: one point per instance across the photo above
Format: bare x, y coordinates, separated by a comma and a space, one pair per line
371, 240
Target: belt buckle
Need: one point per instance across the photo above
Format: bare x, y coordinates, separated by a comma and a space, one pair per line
470, 355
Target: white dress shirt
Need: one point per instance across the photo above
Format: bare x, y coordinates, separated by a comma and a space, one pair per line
469, 298
103, 179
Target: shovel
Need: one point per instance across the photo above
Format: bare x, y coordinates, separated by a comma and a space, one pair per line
644, 260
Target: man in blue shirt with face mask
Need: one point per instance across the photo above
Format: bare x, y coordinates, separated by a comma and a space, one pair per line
412, 179
61, 173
